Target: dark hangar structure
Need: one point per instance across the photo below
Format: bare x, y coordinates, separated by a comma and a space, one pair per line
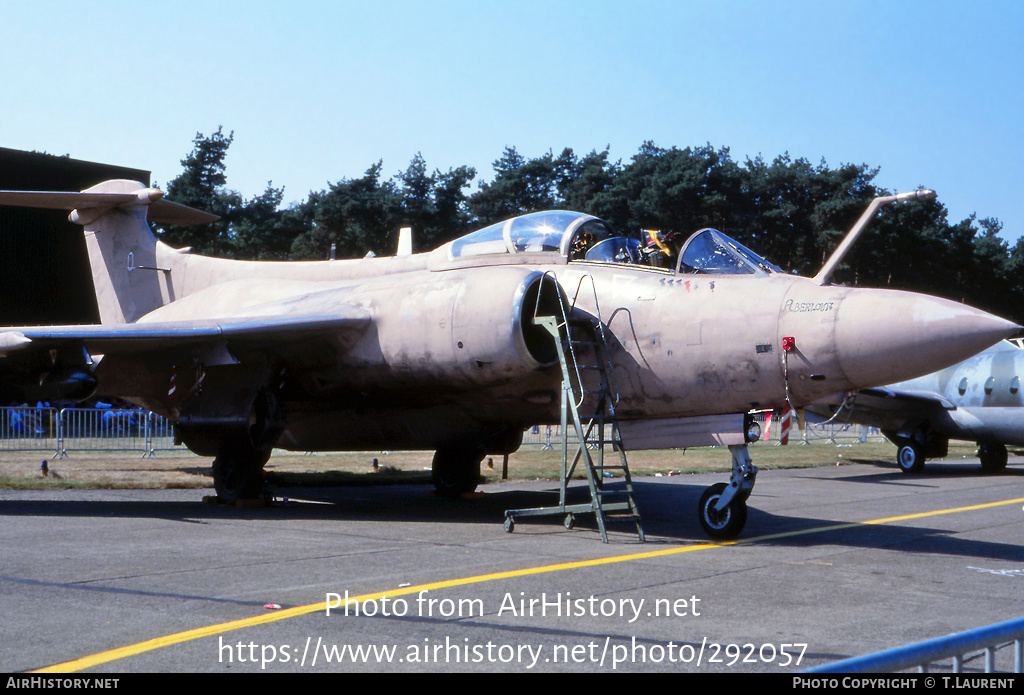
43, 261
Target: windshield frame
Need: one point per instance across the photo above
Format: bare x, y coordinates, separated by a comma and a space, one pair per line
745, 261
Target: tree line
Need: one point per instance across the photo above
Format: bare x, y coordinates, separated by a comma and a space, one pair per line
789, 210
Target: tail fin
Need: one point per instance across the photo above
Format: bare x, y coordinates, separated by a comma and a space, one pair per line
131, 269
122, 251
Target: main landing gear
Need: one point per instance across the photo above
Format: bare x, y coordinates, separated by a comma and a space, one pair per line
993, 456
909, 455
241, 447
238, 469
455, 469
912, 451
723, 506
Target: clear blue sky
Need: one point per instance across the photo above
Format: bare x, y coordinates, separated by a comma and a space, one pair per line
929, 92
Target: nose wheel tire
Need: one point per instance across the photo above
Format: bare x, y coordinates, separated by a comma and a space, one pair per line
723, 524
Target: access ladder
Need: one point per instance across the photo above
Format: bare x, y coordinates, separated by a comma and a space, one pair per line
574, 338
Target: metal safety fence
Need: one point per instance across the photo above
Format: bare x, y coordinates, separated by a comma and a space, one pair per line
996, 648
84, 429
772, 429
62, 430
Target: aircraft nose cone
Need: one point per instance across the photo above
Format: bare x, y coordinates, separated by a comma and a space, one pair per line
885, 336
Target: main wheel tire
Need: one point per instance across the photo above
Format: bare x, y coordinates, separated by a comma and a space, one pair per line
455, 470
238, 472
909, 456
725, 524
993, 457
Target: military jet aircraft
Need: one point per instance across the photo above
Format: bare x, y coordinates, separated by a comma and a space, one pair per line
443, 350
977, 400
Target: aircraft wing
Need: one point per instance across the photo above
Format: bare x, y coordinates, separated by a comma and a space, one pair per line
909, 397
56, 362
888, 408
133, 338
301, 341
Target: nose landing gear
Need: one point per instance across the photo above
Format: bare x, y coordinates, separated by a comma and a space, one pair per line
723, 506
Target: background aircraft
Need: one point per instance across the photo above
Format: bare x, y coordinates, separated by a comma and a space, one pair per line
977, 400
442, 350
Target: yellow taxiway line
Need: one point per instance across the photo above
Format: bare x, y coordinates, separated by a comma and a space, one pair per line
177, 638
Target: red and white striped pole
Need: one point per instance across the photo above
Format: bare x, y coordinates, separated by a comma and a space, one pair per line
785, 421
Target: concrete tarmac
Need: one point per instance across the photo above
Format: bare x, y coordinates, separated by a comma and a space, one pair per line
833, 562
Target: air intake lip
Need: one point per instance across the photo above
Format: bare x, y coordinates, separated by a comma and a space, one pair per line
542, 296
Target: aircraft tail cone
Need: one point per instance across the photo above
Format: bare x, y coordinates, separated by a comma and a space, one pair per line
886, 336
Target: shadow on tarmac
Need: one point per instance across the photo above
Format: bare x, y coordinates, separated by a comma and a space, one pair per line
668, 507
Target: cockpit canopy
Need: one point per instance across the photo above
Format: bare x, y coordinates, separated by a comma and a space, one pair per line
709, 251
584, 238
550, 231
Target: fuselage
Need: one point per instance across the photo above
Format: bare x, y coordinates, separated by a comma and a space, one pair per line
445, 354
460, 349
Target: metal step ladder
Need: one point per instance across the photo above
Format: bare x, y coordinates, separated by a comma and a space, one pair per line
583, 350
